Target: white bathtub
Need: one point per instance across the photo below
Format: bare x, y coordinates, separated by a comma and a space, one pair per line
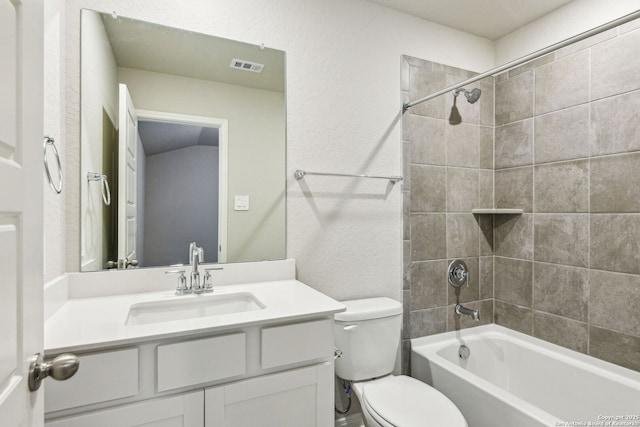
514, 380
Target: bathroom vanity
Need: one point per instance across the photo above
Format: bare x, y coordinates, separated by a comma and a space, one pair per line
250, 353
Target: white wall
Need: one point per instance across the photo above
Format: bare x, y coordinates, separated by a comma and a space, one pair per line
343, 115
54, 125
572, 19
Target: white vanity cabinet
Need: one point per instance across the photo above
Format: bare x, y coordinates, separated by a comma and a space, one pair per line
290, 399
185, 410
277, 374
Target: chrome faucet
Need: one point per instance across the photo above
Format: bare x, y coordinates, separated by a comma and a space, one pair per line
196, 256
196, 286
467, 312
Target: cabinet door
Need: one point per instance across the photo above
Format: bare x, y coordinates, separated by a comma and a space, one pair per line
186, 410
300, 397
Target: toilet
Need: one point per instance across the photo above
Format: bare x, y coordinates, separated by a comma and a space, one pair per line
368, 335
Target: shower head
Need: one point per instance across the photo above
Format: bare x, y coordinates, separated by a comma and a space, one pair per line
472, 95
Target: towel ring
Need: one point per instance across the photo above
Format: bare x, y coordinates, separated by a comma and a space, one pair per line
48, 141
106, 192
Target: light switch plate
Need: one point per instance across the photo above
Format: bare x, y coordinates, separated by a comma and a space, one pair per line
241, 203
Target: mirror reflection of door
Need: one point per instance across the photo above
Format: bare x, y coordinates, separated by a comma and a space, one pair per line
128, 141
173, 188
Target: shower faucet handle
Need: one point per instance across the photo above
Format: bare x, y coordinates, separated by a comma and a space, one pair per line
458, 273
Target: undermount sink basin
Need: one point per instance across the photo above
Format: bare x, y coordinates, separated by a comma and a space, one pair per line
192, 306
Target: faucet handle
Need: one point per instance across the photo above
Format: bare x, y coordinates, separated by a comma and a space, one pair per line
182, 281
208, 284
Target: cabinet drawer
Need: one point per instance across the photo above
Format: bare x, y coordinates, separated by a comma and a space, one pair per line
100, 378
200, 361
186, 410
300, 342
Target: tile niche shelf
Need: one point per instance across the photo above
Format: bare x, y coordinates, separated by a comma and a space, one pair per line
492, 211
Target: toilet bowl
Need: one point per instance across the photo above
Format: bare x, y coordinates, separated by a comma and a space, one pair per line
368, 335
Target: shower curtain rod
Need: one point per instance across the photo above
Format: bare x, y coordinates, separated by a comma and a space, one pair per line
527, 58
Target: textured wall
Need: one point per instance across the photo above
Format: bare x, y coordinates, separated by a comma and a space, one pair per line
449, 168
567, 150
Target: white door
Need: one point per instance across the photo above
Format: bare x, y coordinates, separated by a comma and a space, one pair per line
127, 147
21, 207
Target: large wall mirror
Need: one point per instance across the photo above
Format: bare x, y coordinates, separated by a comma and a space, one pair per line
182, 140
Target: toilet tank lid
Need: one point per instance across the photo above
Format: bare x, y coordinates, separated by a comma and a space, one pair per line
369, 308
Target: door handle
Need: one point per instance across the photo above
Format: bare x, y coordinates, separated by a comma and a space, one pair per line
61, 368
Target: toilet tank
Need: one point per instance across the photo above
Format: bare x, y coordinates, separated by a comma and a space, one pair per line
368, 335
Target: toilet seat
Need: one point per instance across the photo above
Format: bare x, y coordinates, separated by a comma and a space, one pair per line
407, 402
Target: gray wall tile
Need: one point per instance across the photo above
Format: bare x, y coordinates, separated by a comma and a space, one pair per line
514, 98
615, 243
428, 284
462, 189
563, 83
629, 26
463, 145
406, 223
562, 331
513, 281
614, 301
514, 188
562, 187
423, 82
514, 144
428, 188
486, 104
584, 44
426, 137
486, 147
561, 290
614, 66
527, 66
486, 277
615, 183
615, 347
428, 322
485, 222
406, 309
562, 239
406, 265
514, 317
485, 193
462, 236
562, 135
614, 125
428, 237
513, 236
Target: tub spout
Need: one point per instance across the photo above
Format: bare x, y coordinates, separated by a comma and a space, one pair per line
467, 312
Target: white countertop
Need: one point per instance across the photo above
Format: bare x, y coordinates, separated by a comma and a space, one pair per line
99, 322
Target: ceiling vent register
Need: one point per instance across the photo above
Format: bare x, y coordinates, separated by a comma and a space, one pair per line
241, 64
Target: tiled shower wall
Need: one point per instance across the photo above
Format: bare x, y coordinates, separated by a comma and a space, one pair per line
448, 171
567, 151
